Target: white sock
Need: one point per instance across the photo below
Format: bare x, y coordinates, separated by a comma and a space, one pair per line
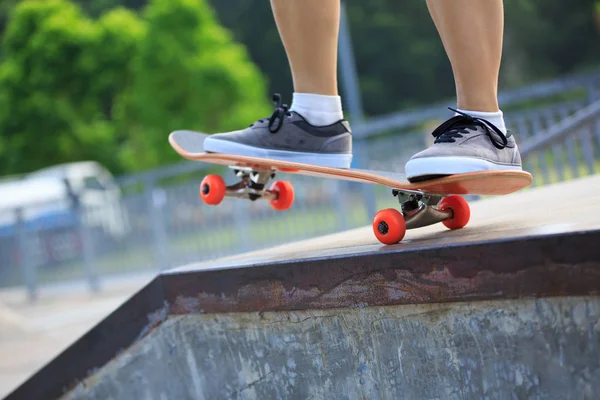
318, 109
496, 118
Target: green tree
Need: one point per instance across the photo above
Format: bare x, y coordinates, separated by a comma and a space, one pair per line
549, 38
188, 74
96, 8
111, 89
59, 70
6, 7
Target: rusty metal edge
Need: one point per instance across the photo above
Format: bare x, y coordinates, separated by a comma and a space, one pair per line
545, 265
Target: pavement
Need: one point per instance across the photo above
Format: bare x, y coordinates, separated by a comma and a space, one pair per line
33, 333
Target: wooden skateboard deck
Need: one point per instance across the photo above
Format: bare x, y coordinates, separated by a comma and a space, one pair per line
189, 145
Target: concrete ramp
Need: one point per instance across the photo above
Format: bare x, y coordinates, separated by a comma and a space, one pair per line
506, 308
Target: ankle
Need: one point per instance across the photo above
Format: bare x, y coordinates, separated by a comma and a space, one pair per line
496, 118
484, 100
318, 109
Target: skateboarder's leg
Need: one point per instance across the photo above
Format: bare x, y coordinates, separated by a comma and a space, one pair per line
471, 31
312, 130
476, 138
309, 32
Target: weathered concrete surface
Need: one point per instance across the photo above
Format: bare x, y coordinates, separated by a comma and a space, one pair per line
545, 348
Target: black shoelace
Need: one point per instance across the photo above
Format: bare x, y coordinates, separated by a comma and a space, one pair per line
462, 124
276, 119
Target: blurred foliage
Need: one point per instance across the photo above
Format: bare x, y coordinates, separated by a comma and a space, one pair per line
550, 38
400, 58
112, 88
188, 74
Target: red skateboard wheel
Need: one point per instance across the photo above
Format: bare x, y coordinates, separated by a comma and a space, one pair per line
460, 209
212, 189
389, 226
285, 195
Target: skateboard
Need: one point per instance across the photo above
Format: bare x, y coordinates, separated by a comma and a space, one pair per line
421, 203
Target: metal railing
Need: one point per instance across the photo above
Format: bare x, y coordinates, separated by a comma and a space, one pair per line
565, 149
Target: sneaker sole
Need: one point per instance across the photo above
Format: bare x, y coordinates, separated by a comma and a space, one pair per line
322, 159
452, 165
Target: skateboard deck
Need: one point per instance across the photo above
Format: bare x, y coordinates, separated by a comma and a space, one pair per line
422, 203
189, 145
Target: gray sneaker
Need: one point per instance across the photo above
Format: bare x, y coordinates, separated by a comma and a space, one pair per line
287, 136
465, 144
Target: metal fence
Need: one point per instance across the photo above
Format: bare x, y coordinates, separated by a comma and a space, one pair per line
565, 149
158, 221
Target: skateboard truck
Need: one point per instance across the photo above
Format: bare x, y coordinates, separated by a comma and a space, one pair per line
419, 209
251, 186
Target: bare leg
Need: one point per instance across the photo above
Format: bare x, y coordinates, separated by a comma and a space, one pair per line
313, 130
476, 139
309, 31
471, 31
